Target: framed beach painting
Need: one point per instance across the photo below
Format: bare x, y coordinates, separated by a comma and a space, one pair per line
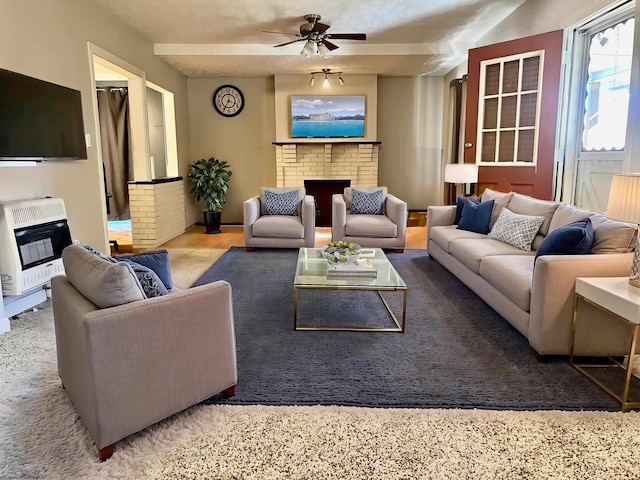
327, 116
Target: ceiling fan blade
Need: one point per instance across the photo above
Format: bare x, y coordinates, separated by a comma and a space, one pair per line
280, 33
319, 28
347, 36
292, 41
329, 45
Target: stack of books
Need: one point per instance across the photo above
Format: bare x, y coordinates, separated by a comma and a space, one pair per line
361, 268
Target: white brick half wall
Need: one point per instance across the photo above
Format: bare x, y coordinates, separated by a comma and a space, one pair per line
157, 212
297, 162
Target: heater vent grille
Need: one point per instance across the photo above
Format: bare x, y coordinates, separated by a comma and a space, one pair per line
48, 210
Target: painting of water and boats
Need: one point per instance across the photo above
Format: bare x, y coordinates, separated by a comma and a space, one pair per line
327, 116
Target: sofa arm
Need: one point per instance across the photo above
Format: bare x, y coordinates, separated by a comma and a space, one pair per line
552, 297
309, 220
251, 211
338, 217
438, 215
150, 359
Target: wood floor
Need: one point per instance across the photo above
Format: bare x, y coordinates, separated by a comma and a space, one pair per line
233, 235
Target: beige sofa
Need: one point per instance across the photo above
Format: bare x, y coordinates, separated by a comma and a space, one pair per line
127, 361
538, 301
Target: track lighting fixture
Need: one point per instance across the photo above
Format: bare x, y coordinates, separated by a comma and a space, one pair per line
326, 72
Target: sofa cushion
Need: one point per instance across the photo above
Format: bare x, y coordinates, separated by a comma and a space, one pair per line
500, 199
301, 193
525, 205
471, 251
103, 283
566, 214
443, 235
460, 206
278, 226
151, 284
367, 203
515, 229
348, 195
512, 275
573, 239
612, 236
379, 226
280, 203
156, 260
476, 217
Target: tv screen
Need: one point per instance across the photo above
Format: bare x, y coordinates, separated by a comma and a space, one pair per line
39, 120
327, 116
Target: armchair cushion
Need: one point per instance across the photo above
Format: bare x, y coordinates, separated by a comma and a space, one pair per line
156, 260
281, 203
278, 226
151, 284
367, 203
103, 283
370, 226
348, 195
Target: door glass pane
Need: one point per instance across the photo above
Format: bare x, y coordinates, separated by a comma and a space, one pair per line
528, 106
510, 76
525, 145
607, 88
508, 114
492, 79
491, 113
489, 147
530, 71
507, 143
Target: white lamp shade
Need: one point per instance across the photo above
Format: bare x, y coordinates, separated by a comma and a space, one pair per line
624, 198
461, 173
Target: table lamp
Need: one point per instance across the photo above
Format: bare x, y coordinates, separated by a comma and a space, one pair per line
624, 205
461, 173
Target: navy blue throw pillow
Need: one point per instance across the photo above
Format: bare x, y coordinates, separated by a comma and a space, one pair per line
476, 217
573, 239
460, 205
156, 260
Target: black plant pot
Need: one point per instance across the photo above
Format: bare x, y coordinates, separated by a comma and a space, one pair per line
212, 222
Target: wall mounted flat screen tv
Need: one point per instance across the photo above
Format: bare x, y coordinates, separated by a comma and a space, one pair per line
327, 116
39, 120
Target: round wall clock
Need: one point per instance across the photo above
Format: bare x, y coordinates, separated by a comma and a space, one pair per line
228, 100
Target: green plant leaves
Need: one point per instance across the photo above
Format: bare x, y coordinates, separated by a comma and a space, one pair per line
210, 180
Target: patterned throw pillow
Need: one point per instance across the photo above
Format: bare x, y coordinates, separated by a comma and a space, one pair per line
365, 203
515, 229
285, 203
151, 284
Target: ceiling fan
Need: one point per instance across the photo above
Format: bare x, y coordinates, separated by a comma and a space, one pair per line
316, 37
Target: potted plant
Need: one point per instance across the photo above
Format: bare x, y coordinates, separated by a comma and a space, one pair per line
210, 183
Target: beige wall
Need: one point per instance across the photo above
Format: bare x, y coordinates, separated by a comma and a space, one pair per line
243, 141
410, 129
48, 40
287, 85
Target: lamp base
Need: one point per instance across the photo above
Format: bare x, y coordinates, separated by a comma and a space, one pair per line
634, 278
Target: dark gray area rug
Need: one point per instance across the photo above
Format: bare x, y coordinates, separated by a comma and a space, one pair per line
456, 351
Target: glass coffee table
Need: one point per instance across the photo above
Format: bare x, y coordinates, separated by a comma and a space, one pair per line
311, 273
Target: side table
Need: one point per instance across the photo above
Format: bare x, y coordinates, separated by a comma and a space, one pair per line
614, 296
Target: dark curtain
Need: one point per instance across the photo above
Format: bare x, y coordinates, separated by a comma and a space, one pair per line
113, 111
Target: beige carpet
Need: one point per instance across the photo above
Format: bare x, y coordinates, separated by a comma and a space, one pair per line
188, 264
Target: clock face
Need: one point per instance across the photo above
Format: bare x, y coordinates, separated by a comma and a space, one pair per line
228, 100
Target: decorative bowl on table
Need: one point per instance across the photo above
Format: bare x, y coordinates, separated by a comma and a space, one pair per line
341, 253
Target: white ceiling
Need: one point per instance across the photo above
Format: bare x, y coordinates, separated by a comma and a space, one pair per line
224, 37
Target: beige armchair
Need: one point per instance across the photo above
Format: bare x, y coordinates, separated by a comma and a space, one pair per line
278, 227
387, 229
128, 366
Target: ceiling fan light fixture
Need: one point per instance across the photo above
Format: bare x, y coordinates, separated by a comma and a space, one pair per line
325, 82
323, 50
313, 79
340, 79
308, 50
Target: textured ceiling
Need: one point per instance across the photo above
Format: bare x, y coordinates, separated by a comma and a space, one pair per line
223, 37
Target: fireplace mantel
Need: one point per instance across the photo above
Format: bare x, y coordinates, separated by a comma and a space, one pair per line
351, 142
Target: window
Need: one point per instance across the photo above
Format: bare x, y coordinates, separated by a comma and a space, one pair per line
509, 109
607, 87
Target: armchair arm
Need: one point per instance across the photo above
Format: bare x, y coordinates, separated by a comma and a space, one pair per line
338, 217
552, 295
309, 219
251, 210
396, 211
